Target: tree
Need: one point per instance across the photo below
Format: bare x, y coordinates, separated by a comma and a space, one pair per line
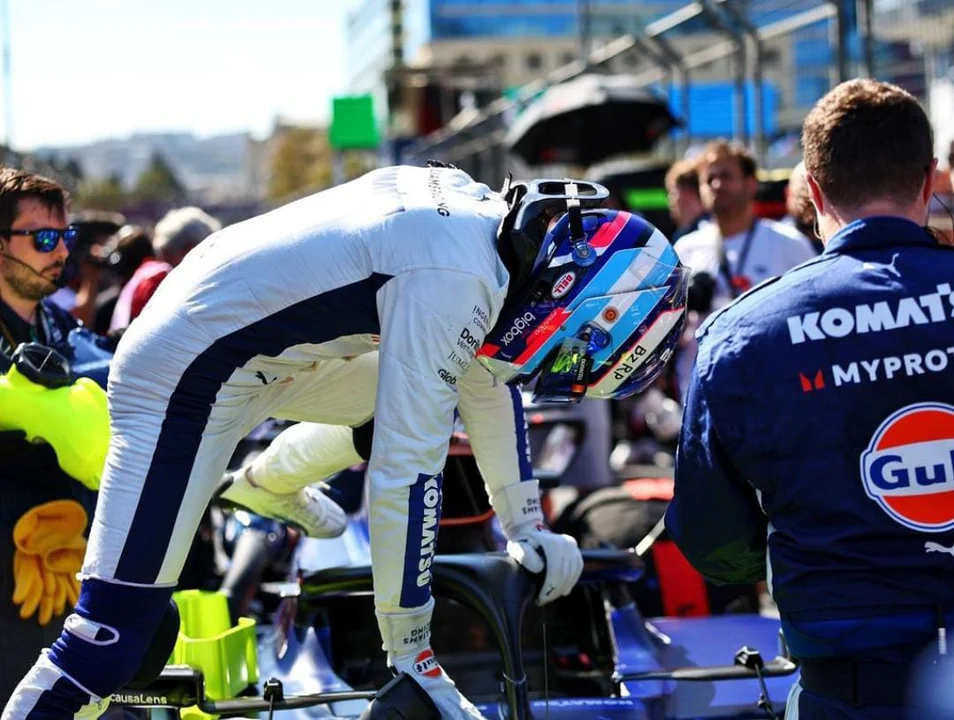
107, 194
357, 162
74, 169
300, 163
68, 171
158, 183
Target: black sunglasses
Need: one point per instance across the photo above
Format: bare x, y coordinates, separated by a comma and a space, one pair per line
46, 239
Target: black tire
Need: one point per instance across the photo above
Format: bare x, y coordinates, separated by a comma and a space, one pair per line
252, 554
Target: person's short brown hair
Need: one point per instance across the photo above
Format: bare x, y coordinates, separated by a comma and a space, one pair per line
724, 149
17, 185
683, 175
868, 140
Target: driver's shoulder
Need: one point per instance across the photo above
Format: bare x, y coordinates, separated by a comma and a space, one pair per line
765, 302
423, 239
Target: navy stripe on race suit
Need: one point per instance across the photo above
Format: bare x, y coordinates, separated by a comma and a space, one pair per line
63, 700
423, 518
347, 310
102, 615
520, 427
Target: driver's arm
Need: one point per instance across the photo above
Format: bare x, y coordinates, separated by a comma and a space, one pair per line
493, 416
714, 517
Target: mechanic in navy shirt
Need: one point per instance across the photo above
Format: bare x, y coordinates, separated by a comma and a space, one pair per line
817, 447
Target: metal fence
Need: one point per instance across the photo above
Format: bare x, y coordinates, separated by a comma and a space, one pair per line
770, 59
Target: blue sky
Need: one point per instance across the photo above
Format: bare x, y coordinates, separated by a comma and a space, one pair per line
89, 69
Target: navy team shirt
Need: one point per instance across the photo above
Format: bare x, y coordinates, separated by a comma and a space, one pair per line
817, 447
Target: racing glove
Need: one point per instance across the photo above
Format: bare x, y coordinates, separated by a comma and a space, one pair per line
49, 553
531, 543
407, 640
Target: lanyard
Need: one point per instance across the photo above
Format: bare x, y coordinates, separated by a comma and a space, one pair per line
724, 268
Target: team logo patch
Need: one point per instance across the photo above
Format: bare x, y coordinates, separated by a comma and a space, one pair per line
908, 468
426, 664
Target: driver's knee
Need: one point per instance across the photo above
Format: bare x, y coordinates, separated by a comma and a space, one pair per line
109, 634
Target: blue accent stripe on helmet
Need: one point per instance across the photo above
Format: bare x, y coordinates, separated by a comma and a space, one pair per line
586, 312
604, 361
520, 428
617, 266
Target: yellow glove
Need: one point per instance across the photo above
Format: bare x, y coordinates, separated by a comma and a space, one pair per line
28, 583
74, 420
65, 562
50, 548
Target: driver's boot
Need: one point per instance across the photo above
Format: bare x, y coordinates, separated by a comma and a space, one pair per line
407, 642
308, 509
280, 482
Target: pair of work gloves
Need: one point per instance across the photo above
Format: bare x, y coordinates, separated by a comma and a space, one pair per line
49, 553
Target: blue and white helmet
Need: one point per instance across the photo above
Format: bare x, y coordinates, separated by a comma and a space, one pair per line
600, 309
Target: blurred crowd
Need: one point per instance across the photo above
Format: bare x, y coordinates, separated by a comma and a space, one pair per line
116, 266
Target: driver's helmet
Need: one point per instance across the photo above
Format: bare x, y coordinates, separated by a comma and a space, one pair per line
599, 310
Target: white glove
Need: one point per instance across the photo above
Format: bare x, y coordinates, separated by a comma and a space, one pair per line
407, 640
532, 544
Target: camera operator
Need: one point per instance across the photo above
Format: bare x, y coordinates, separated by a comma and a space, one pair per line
737, 250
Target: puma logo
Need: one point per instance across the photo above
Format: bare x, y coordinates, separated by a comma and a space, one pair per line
934, 547
892, 268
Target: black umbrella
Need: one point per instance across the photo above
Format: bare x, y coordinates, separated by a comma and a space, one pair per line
588, 119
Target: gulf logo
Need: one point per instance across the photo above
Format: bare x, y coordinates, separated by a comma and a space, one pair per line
908, 468
426, 664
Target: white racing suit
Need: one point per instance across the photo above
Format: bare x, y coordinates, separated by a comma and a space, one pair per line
277, 317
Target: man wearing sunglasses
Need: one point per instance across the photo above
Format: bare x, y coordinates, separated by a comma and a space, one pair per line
34, 245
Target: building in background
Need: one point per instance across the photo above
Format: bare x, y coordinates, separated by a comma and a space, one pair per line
426, 61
